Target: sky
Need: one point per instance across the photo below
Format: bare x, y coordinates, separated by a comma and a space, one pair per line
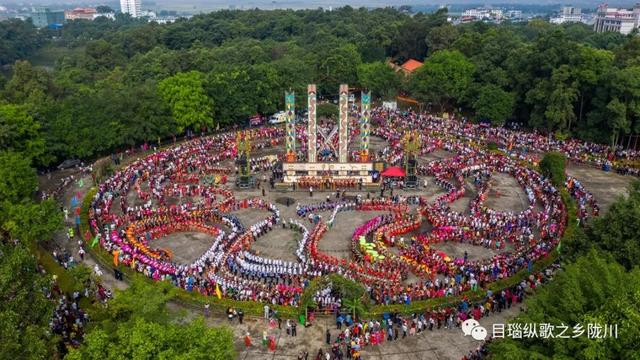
201, 5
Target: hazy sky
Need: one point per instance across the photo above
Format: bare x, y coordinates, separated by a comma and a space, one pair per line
190, 5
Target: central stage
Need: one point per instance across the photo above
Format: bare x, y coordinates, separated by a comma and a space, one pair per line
360, 172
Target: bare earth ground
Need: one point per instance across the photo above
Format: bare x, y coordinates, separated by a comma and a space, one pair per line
506, 195
606, 187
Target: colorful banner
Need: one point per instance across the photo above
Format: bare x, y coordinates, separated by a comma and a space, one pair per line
343, 134
365, 128
312, 127
289, 101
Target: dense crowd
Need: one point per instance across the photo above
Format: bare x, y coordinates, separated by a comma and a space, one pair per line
167, 183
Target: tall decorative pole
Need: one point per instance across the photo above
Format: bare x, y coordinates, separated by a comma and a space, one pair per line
343, 133
290, 141
365, 128
312, 128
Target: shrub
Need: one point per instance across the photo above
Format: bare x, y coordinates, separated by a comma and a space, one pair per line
552, 167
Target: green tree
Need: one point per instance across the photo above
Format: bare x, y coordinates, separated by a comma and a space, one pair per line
327, 110
339, 66
444, 79
17, 178
19, 132
144, 300
142, 339
104, 9
24, 310
441, 37
593, 290
138, 325
618, 117
354, 306
590, 66
29, 84
553, 166
18, 40
380, 78
29, 221
560, 110
494, 104
190, 105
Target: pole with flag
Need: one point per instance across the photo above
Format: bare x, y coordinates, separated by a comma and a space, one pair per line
218, 292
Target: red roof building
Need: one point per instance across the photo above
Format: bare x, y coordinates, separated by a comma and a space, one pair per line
410, 66
80, 13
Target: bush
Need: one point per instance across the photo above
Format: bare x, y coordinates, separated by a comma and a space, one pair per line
552, 167
327, 110
491, 145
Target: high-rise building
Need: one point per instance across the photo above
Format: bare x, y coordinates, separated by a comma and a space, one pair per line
567, 14
43, 17
617, 20
131, 7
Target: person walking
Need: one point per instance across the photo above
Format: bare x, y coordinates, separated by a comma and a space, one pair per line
310, 191
328, 335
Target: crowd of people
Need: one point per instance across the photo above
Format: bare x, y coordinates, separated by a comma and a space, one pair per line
167, 183
69, 320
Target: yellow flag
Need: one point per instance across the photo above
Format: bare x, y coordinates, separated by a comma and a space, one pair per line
218, 292
115, 257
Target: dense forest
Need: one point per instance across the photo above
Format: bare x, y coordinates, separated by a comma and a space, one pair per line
119, 83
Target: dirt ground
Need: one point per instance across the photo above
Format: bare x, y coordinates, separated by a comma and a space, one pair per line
505, 195
606, 187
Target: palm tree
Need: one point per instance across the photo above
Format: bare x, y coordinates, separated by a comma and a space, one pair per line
354, 306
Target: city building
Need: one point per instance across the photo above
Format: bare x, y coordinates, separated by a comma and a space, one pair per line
567, 14
43, 17
514, 14
80, 13
483, 14
131, 7
110, 15
164, 19
617, 20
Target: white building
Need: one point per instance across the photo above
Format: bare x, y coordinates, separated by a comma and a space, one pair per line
131, 7
479, 13
514, 14
567, 14
618, 20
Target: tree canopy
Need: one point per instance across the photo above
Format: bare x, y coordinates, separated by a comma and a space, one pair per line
138, 325
117, 83
190, 105
553, 166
